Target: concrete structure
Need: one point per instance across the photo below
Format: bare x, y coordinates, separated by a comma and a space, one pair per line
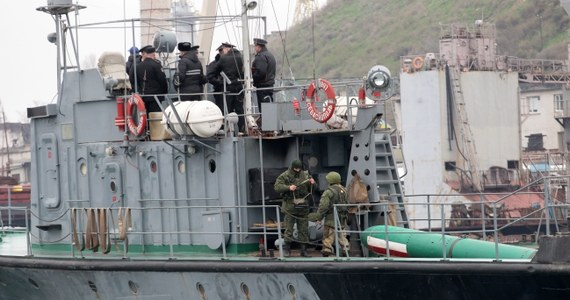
460, 120
429, 150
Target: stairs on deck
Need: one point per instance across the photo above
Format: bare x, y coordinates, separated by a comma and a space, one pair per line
387, 181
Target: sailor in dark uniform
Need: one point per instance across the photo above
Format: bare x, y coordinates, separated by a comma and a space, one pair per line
263, 72
134, 57
150, 79
191, 77
216, 80
231, 63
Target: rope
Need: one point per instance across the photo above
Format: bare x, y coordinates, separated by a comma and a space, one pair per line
124, 221
49, 242
48, 221
104, 239
91, 230
80, 246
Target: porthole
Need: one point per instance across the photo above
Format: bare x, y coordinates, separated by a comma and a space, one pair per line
292, 291
313, 161
113, 186
92, 286
153, 166
134, 287
181, 167
212, 165
83, 168
355, 158
366, 157
366, 172
245, 290
201, 290
33, 283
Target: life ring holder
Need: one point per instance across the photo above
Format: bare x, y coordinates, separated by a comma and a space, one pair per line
418, 63
136, 128
327, 113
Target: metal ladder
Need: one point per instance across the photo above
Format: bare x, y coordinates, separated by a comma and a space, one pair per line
374, 148
468, 153
388, 183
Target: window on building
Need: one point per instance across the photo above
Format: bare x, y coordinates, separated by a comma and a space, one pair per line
558, 102
533, 104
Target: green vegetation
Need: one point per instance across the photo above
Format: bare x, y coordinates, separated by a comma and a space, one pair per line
351, 36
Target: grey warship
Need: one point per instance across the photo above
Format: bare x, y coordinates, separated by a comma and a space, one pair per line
184, 208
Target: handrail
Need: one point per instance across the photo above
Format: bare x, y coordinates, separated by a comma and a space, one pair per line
480, 227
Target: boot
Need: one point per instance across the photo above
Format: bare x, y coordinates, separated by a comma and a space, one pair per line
304, 251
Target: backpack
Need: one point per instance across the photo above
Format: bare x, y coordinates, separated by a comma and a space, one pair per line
357, 190
340, 197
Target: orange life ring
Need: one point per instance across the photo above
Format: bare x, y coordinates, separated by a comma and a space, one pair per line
418, 62
136, 128
325, 115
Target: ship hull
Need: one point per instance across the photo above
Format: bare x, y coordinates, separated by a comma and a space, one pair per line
46, 278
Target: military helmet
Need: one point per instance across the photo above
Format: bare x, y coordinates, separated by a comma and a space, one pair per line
296, 164
333, 177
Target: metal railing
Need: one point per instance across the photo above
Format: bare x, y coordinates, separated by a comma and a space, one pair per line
489, 225
12, 199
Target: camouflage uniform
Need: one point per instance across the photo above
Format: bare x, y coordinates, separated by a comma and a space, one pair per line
334, 194
295, 213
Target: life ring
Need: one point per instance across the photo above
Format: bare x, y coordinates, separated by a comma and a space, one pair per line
325, 115
418, 62
136, 128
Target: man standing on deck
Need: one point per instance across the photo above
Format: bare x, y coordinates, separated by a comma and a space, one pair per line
334, 194
231, 63
263, 72
134, 58
295, 186
190, 78
216, 80
150, 79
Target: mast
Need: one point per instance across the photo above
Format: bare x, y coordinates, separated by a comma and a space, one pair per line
247, 5
207, 32
57, 9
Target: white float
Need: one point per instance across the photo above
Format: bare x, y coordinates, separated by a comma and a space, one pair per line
201, 118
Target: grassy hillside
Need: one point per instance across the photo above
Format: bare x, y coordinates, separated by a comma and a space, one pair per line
351, 36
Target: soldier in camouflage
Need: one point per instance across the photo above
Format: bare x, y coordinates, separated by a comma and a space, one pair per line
294, 185
334, 194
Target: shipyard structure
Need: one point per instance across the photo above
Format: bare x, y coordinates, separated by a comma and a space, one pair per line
460, 115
